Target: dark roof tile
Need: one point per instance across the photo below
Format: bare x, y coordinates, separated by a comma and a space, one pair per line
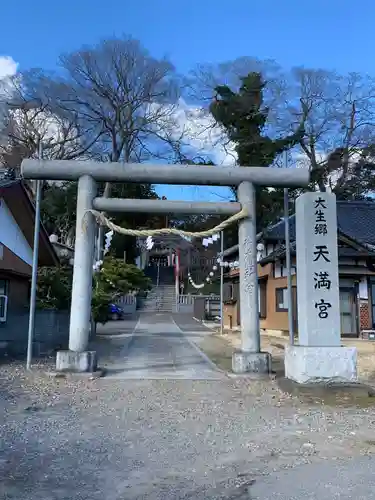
8, 182
355, 219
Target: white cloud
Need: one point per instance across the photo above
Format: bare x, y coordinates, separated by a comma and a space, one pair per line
203, 135
8, 67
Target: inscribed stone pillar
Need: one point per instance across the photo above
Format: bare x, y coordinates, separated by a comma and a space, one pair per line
317, 270
318, 357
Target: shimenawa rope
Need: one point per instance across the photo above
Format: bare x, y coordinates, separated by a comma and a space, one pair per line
104, 221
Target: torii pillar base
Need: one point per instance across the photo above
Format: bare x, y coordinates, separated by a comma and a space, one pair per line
76, 362
251, 362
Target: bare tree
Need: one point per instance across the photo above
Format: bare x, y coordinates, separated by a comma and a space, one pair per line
122, 98
123, 95
340, 127
111, 101
31, 116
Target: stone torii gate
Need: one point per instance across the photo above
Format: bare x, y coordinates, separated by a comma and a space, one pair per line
249, 358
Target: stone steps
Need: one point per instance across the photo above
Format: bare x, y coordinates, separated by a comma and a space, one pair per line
160, 299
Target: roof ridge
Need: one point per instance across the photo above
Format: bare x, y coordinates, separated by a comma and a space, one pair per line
275, 224
8, 182
355, 202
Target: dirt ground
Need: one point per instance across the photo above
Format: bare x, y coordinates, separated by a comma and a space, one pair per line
219, 348
82, 439
164, 440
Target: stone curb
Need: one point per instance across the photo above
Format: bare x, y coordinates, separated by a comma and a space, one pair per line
324, 389
252, 376
129, 342
78, 375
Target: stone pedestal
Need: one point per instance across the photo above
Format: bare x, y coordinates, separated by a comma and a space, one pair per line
319, 365
76, 362
251, 362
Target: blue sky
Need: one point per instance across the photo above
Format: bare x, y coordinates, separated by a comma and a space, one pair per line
322, 34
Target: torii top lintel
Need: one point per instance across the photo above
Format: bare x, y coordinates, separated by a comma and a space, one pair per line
164, 174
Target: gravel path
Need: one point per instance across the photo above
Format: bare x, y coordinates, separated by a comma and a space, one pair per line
353, 479
69, 439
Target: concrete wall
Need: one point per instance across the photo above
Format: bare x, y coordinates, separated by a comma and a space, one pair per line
185, 304
128, 303
202, 306
51, 332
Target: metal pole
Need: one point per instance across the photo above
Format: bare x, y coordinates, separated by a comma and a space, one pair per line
250, 331
288, 266
222, 284
288, 259
80, 311
34, 273
177, 273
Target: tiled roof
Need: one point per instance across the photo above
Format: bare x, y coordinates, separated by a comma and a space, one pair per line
7, 182
356, 219
277, 231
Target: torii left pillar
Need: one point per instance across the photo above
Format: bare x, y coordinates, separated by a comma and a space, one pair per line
79, 358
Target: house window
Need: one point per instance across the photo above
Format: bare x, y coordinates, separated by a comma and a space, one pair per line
281, 299
278, 270
4, 286
262, 299
230, 292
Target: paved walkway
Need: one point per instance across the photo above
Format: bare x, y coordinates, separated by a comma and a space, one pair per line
162, 347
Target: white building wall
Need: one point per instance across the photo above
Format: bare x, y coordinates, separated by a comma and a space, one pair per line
11, 235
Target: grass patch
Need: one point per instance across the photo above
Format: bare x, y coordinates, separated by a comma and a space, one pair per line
335, 395
218, 350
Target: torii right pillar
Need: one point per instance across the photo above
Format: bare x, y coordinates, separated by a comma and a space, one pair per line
319, 356
249, 359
